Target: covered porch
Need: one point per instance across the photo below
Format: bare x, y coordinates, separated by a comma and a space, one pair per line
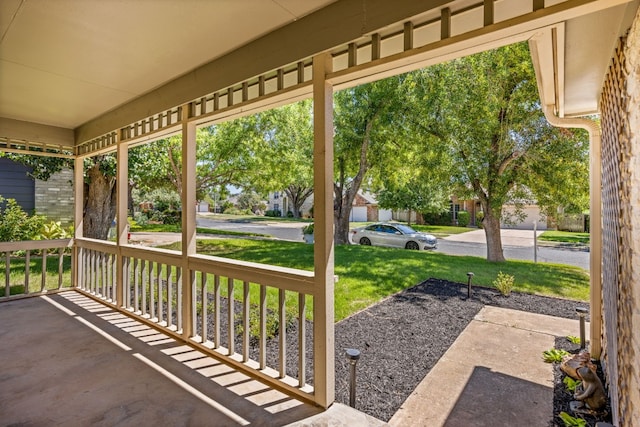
279, 54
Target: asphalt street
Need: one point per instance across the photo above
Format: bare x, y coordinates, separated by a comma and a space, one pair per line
517, 244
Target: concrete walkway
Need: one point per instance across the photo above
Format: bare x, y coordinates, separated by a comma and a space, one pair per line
492, 375
510, 237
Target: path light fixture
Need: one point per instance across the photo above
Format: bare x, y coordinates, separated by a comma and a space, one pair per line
470, 276
582, 314
352, 357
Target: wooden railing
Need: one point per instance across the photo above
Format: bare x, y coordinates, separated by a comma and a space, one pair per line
18, 271
240, 312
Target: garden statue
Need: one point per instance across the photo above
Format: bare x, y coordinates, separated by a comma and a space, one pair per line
592, 394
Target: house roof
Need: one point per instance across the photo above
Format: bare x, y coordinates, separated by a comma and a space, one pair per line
72, 71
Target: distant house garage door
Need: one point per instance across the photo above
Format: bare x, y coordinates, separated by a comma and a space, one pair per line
16, 184
358, 214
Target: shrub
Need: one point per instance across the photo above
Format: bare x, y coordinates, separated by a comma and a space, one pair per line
140, 218
16, 224
171, 217
52, 230
272, 213
504, 283
554, 355
236, 211
307, 229
464, 218
443, 218
479, 218
289, 214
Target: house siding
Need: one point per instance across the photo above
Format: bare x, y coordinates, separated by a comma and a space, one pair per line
15, 183
620, 106
54, 197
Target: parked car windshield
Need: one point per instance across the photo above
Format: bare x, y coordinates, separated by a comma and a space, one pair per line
406, 229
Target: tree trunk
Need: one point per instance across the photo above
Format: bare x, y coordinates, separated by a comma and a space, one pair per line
491, 225
99, 203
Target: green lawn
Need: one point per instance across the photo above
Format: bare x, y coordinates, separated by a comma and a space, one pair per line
369, 274
17, 268
564, 237
169, 228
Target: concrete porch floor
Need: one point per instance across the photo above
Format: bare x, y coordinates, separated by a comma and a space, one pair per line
68, 360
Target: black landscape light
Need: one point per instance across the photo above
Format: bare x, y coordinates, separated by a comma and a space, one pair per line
582, 313
470, 276
352, 357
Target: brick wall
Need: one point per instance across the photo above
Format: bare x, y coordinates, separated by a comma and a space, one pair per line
620, 106
54, 197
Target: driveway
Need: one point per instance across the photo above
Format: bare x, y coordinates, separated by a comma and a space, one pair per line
283, 230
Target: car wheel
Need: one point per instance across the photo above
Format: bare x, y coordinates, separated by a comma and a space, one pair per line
365, 241
412, 246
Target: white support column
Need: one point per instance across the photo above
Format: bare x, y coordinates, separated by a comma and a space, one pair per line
188, 222
122, 184
323, 309
78, 217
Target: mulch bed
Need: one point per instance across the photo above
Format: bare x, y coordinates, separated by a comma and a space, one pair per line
404, 336
400, 339
562, 397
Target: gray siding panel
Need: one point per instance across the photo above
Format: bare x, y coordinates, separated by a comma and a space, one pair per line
16, 184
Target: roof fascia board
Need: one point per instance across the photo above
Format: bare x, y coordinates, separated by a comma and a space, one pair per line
322, 30
36, 133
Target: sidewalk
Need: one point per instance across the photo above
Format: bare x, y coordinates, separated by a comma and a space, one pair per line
510, 237
492, 375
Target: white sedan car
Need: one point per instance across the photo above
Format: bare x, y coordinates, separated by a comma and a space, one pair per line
394, 235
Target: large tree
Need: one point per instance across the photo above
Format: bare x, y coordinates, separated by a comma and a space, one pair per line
370, 125
486, 108
285, 153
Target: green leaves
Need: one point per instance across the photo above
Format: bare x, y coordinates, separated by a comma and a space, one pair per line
554, 355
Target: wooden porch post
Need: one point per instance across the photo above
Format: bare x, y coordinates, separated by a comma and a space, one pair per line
78, 218
323, 310
122, 184
188, 222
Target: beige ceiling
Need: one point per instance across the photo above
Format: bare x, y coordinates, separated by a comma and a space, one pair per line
63, 62
85, 64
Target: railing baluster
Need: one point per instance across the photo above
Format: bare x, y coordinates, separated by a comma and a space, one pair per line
143, 273
169, 297
246, 326
114, 275
7, 273
263, 327
282, 355
60, 267
216, 311
103, 269
302, 338
205, 300
136, 285
179, 298
160, 294
92, 272
231, 312
43, 283
126, 267
152, 285
27, 267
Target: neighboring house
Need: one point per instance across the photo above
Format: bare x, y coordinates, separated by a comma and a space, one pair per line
52, 198
364, 208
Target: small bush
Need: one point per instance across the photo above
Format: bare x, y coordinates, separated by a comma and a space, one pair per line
443, 218
554, 355
289, 214
307, 229
171, 217
504, 283
272, 213
53, 230
479, 218
236, 211
16, 224
464, 218
141, 218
